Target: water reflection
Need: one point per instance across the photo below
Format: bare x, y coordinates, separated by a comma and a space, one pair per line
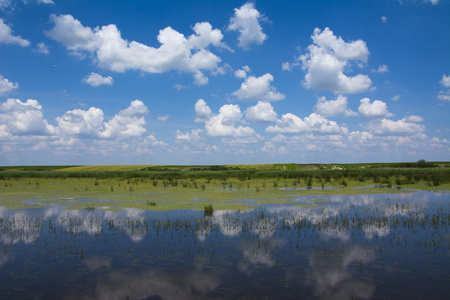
341, 249
331, 275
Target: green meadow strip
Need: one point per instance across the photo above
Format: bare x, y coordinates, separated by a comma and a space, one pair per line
231, 189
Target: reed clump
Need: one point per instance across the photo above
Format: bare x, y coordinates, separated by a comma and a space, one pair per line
208, 209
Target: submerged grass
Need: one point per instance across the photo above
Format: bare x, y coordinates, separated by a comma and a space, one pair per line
231, 188
163, 195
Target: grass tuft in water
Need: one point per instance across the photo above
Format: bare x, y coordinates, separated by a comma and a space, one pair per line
208, 209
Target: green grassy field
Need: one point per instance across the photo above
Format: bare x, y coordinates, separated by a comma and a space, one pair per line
194, 187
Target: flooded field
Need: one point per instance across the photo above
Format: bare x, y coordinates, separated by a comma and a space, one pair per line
388, 246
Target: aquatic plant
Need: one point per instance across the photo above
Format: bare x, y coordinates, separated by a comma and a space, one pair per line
208, 209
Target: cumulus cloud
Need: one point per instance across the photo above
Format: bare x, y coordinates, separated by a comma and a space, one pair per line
129, 122
203, 111
381, 69
153, 142
200, 78
246, 22
190, 137
42, 48
258, 88
376, 109
23, 118
332, 108
242, 73
95, 79
444, 95
224, 124
7, 37
111, 51
262, 112
445, 81
320, 124
290, 123
355, 50
408, 125
81, 123
326, 61
6, 86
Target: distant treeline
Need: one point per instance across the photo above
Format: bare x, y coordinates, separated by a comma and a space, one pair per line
267, 167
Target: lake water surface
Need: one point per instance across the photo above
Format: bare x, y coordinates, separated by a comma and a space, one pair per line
389, 246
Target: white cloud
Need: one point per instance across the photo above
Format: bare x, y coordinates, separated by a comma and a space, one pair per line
163, 118
258, 88
381, 69
445, 96
81, 123
180, 87
413, 119
320, 124
246, 22
112, 52
24, 118
395, 98
404, 126
239, 141
7, 37
290, 123
46, 1
95, 79
331, 108
262, 112
129, 122
326, 61
433, 2
242, 73
384, 19
445, 81
42, 48
376, 109
153, 142
200, 78
203, 111
286, 66
73, 35
190, 137
224, 124
355, 50
6, 86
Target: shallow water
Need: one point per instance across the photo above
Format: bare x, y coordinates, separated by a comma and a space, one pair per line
391, 246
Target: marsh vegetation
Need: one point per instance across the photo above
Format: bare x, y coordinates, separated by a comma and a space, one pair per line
137, 232
227, 187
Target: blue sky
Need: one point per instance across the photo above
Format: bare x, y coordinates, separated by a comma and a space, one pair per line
223, 82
